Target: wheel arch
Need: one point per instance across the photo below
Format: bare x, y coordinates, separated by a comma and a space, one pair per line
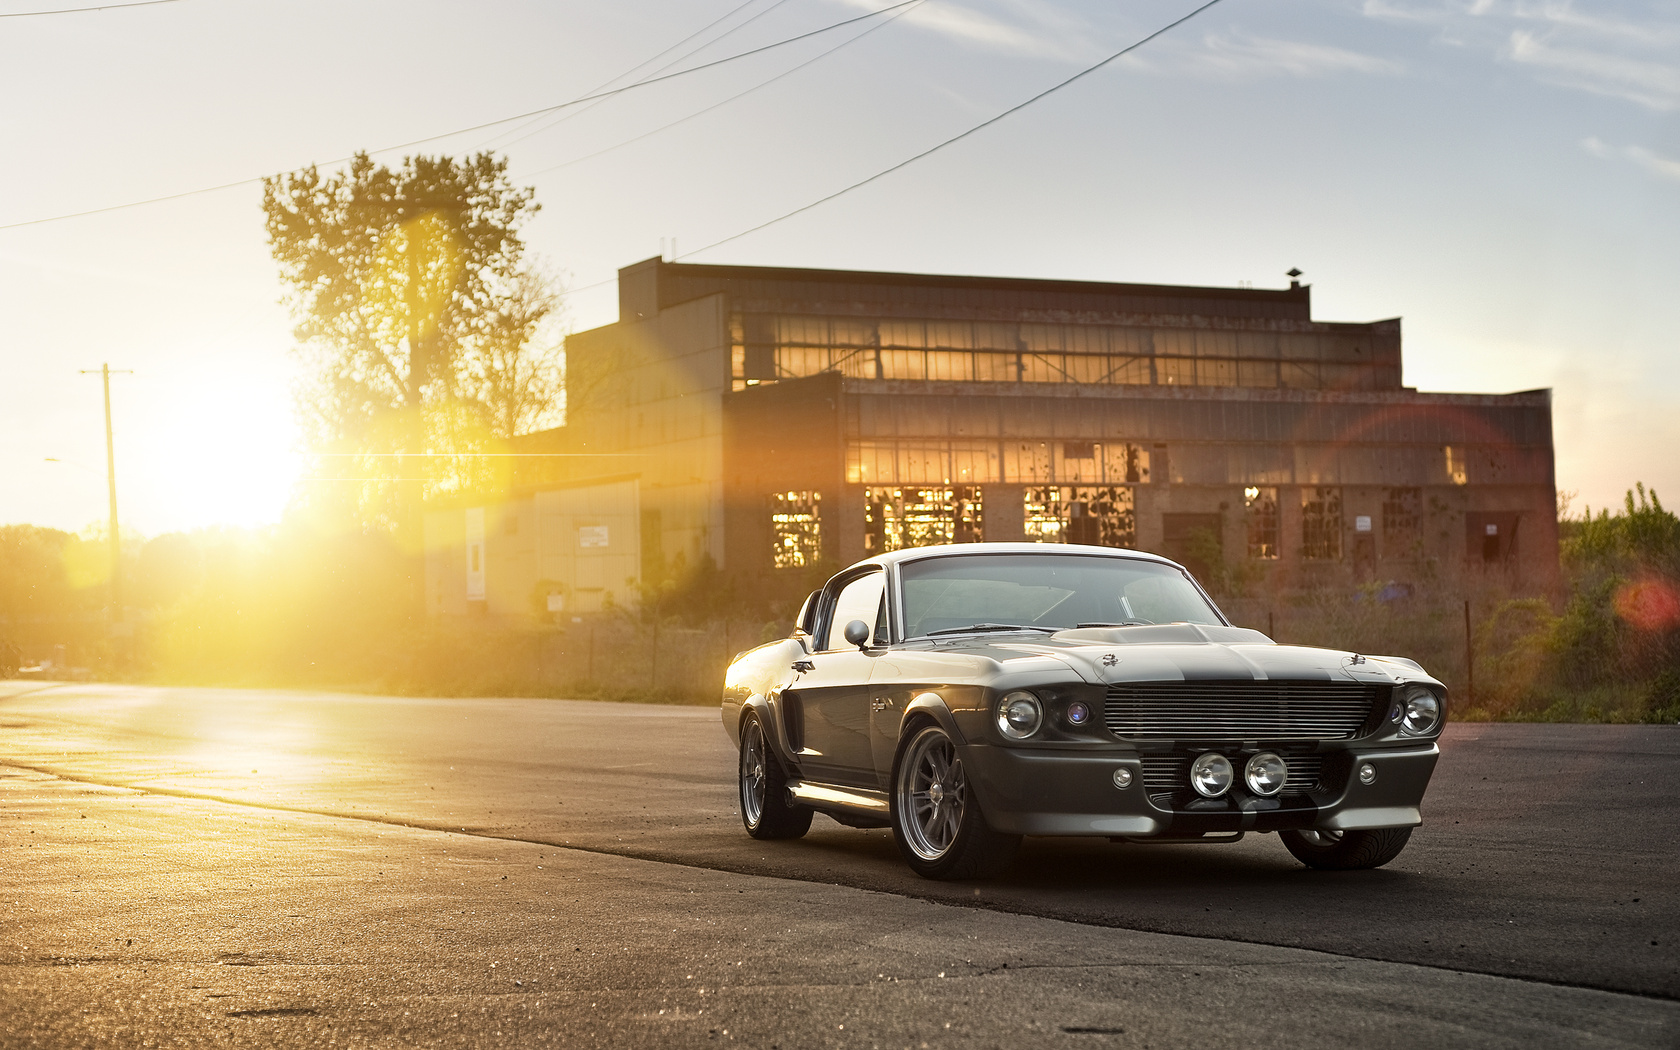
775, 732
929, 707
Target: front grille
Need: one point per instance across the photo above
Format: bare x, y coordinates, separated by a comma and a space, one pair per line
1239, 710
1166, 776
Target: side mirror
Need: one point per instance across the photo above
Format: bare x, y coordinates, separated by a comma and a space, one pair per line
857, 633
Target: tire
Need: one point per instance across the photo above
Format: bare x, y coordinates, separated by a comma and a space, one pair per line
766, 809
936, 819
1346, 850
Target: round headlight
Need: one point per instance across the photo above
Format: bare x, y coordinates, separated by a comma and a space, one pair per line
1422, 711
1078, 713
1265, 774
1211, 775
1019, 715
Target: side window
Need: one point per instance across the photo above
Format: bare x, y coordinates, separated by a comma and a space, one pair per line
858, 600
807, 621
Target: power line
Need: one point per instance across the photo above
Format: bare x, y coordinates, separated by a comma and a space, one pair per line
718, 105
477, 127
79, 10
956, 138
561, 119
610, 81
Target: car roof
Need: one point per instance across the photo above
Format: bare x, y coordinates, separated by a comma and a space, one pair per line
943, 550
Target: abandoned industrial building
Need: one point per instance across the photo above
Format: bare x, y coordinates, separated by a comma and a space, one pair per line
778, 421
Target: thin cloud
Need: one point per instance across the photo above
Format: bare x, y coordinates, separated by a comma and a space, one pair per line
1249, 56
969, 26
1234, 56
1604, 52
1655, 163
1651, 84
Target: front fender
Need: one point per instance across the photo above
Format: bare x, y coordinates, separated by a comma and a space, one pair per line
775, 729
931, 705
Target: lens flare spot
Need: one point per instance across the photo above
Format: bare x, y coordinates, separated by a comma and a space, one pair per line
1649, 604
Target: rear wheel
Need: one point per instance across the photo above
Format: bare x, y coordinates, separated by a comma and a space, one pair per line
936, 819
766, 810
1346, 850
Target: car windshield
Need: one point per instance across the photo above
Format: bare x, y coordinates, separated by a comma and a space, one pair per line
1053, 591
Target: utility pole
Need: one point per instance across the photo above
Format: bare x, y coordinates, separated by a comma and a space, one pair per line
104, 373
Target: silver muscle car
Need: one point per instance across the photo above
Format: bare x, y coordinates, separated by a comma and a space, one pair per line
968, 695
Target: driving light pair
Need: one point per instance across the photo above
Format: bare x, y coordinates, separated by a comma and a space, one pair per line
1212, 774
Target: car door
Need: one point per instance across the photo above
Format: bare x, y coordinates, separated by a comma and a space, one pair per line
834, 694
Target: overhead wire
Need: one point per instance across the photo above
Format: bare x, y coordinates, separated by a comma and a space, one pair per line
80, 10
609, 82
563, 117
1088, 70
486, 124
718, 105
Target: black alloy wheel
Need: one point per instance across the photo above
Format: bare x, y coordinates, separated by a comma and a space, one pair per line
766, 810
936, 819
1346, 850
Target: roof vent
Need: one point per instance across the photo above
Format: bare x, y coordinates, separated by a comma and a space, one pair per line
1294, 277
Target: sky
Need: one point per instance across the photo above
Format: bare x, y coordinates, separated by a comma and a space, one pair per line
1504, 177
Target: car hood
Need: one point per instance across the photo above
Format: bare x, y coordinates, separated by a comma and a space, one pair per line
1182, 652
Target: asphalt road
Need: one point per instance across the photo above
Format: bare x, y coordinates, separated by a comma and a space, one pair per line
208, 867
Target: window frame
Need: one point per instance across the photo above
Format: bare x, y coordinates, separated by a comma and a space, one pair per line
831, 597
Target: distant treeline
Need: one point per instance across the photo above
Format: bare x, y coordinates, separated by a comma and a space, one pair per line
295, 606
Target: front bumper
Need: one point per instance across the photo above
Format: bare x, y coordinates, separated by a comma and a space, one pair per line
1028, 791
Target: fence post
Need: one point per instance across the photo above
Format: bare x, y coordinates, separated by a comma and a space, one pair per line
1469, 656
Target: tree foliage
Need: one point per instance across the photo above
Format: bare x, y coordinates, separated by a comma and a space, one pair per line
425, 325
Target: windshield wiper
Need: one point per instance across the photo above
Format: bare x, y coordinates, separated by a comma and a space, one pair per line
994, 627
1120, 623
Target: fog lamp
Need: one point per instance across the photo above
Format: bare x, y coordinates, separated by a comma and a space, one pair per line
1123, 777
1019, 715
1078, 713
1367, 773
1423, 711
1265, 774
1211, 775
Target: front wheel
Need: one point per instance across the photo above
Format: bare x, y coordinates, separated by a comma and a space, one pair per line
1346, 850
936, 819
765, 807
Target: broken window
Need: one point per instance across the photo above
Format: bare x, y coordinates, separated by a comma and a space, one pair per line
895, 518
1099, 515
795, 529
1321, 523
1402, 518
1455, 465
1260, 511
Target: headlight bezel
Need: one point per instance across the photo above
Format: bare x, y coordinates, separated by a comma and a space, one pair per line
1422, 711
1011, 700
